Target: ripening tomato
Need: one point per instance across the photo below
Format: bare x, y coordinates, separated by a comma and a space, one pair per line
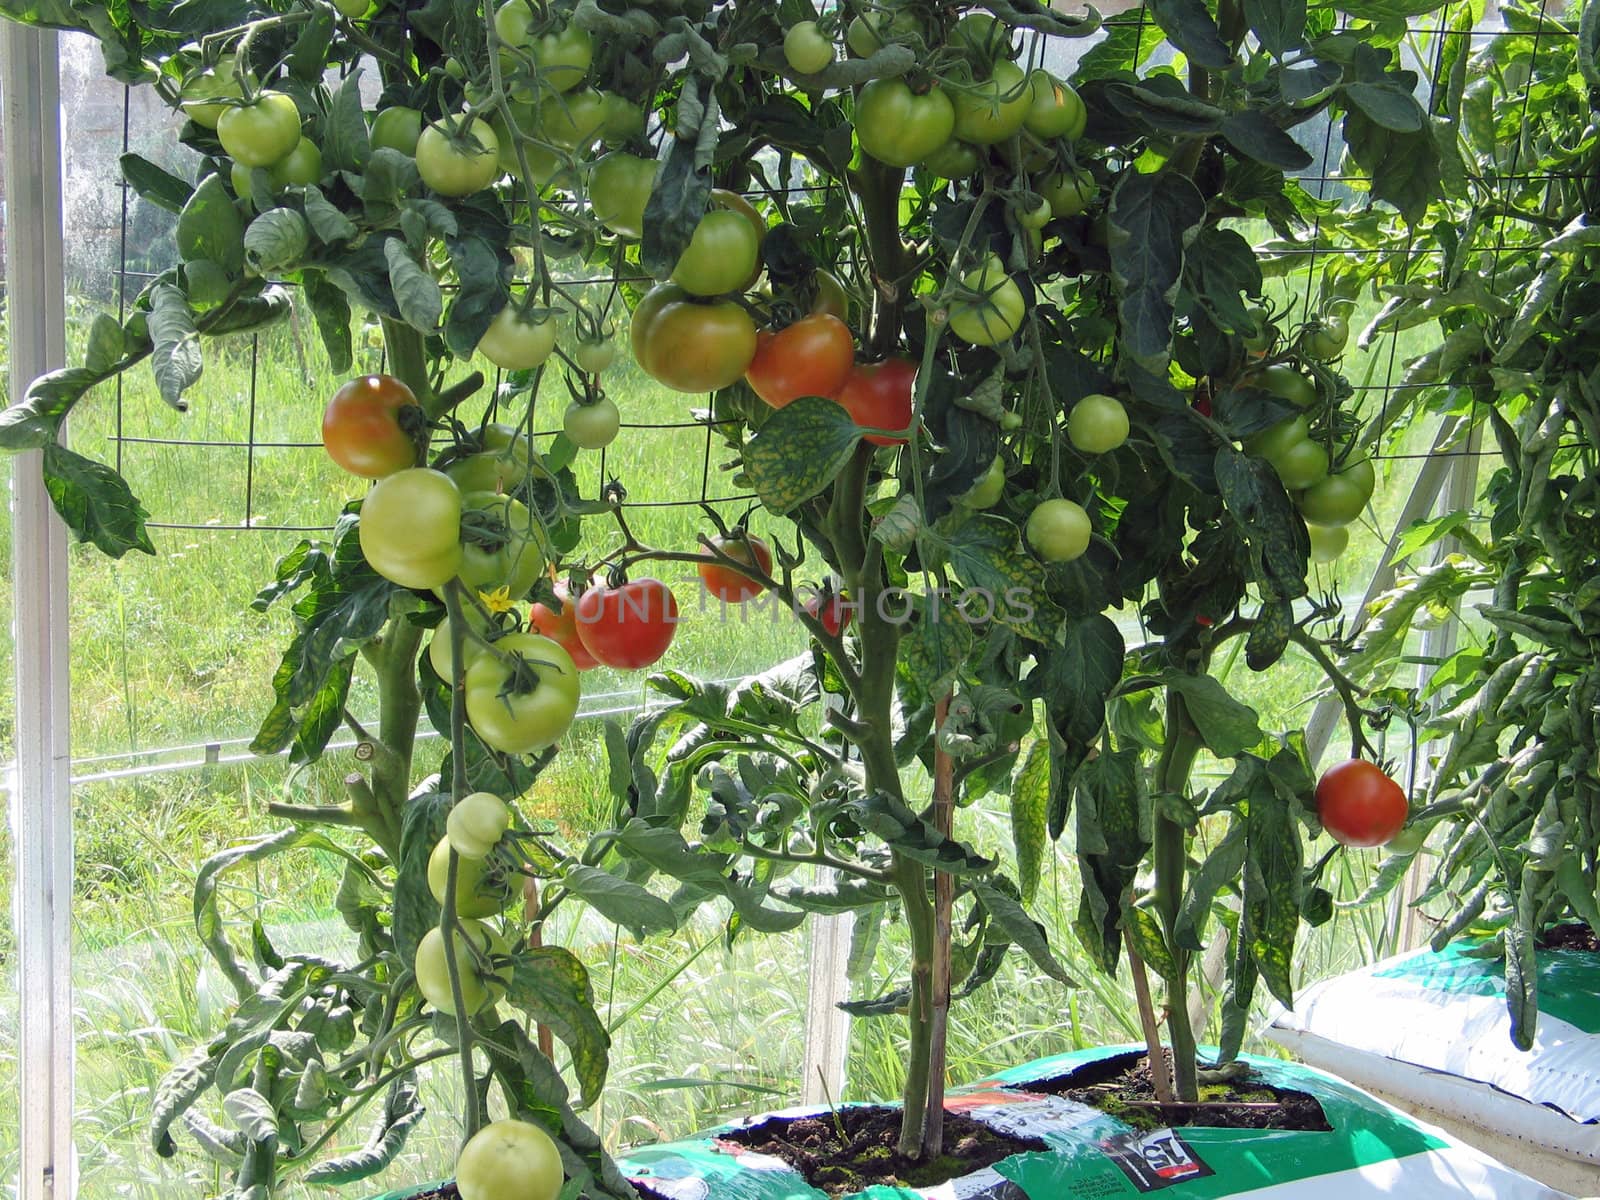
628, 627
812, 357
831, 611
725, 582
690, 345
373, 425
562, 627
1359, 805
410, 530
880, 396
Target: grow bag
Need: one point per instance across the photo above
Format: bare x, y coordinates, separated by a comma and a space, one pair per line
1430, 1032
1372, 1150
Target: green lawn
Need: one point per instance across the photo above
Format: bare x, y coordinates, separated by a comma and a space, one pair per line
166, 653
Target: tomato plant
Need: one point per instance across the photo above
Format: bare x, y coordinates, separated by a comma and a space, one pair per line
812, 357
726, 582
628, 626
372, 425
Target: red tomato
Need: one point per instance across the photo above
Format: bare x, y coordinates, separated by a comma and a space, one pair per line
1359, 805
562, 628
368, 427
812, 357
830, 611
878, 395
725, 583
627, 627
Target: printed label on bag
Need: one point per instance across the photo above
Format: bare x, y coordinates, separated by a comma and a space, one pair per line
1153, 1161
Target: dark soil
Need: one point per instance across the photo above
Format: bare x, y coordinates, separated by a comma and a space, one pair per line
867, 1155
1121, 1087
1569, 937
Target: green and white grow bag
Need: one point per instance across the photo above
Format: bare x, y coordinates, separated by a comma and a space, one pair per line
1430, 1032
1372, 1150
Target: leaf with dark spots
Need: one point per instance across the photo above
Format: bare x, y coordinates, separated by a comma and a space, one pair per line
1152, 219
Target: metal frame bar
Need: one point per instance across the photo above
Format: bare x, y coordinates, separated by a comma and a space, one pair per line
41, 810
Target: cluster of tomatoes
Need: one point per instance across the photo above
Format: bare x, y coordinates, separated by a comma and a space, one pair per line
1330, 491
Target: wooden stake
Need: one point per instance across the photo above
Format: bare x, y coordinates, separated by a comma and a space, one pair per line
1160, 1076
944, 806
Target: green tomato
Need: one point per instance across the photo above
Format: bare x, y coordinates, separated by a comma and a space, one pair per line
440, 655
619, 189
515, 344
623, 122
458, 165
1259, 337
1097, 424
1286, 383
301, 168
1301, 465
1036, 217
953, 160
996, 315
1336, 500
505, 545
502, 466
410, 529
483, 887
897, 126
1325, 340
1359, 471
1059, 531
872, 31
532, 713
475, 825
1328, 542
219, 83
1275, 439
591, 426
353, 9
482, 983
1069, 193
574, 121
806, 49
509, 1160
260, 133
594, 357
990, 487
982, 38
563, 57
721, 257
1056, 110
397, 128
994, 110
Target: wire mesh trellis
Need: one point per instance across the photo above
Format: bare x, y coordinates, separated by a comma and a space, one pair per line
131, 443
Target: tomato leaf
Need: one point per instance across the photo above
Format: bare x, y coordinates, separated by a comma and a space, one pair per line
95, 502
422, 824
894, 822
152, 183
176, 358
986, 553
1404, 167
402, 1109
1221, 269
1152, 219
1253, 134
1192, 29
1280, 548
683, 184
936, 645
799, 452
415, 291
1219, 870
1019, 929
1227, 727
1272, 888
618, 900
1030, 805
331, 311
481, 295
346, 144
1279, 24
1113, 835
1077, 673
552, 986
210, 227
